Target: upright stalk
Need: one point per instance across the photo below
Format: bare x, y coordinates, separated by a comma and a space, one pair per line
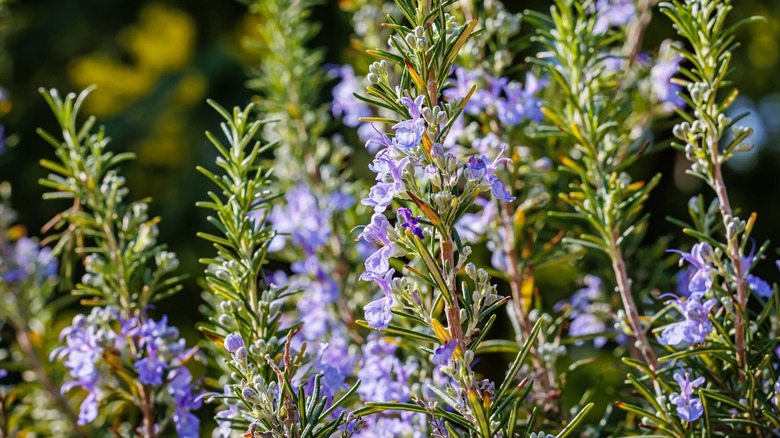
629, 306
452, 310
734, 254
148, 411
516, 286
636, 29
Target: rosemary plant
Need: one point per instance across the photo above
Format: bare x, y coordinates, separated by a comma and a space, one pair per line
117, 354
27, 289
415, 169
265, 394
721, 354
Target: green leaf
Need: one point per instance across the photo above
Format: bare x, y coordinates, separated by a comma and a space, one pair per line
400, 331
519, 359
575, 421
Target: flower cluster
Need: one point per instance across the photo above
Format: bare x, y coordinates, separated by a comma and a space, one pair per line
27, 261
385, 378
689, 408
509, 101
589, 314
103, 351
694, 285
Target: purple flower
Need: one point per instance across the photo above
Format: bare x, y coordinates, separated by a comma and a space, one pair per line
340, 201
379, 197
683, 277
590, 293
2, 139
389, 180
384, 281
464, 80
226, 417
88, 410
376, 231
29, 261
384, 377
379, 141
345, 104
696, 326
478, 169
388, 169
334, 364
379, 262
490, 95
521, 104
689, 408
701, 279
90, 340
320, 290
150, 369
186, 400
613, 13
378, 313
588, 324
411, 222
408, 134
585, 312
302, 219
661, 77
82, 353
233, 342
443, 353
498, 189
3, 373
759, 286
472, 226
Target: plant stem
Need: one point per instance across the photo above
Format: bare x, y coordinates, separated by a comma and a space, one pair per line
734, 254
636, 29
516, 285
624, 287
452, 310
148, 411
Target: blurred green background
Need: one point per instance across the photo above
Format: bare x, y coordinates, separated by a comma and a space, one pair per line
155, 63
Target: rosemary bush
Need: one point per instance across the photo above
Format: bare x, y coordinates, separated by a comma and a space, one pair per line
383, 234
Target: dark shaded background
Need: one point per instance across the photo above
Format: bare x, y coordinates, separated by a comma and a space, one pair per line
155, 63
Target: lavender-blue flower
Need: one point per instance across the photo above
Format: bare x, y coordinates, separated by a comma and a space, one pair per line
689, 408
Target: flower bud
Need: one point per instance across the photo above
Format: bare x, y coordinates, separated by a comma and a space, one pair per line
682, 130
249, 394
410, 39
233, 342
